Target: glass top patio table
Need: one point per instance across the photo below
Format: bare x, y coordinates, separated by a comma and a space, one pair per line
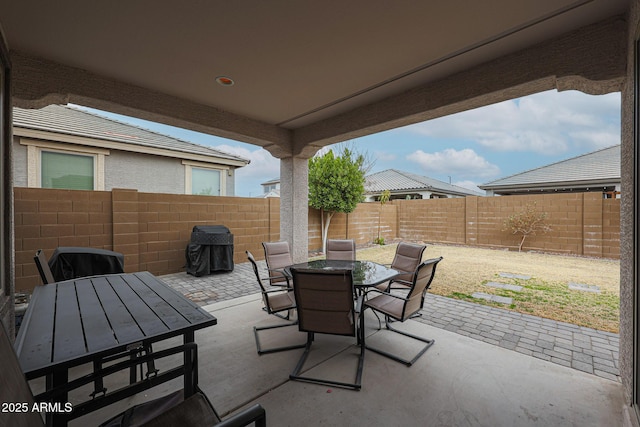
365, 273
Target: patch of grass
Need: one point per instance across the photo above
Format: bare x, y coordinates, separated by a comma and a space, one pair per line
460, 295
466, 270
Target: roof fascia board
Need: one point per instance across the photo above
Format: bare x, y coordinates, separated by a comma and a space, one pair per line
113, 145
205, 165
62, 146
415, 190
551, 186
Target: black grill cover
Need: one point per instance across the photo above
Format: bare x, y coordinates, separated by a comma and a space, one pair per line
211, 235
210, 249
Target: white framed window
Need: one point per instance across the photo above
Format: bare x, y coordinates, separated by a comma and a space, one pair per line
67, 171
203, 179
63, 166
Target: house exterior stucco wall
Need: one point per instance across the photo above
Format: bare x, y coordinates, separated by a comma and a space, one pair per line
123, 169
145, 173
19, 163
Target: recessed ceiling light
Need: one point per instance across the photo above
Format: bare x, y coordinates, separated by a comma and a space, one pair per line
224, 81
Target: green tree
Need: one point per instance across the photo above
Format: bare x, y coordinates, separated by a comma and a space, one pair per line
336, 184
527, 222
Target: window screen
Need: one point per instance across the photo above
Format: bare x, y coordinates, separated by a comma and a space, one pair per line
205, 182
67, 171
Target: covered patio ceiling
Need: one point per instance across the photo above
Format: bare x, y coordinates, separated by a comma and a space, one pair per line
306, 74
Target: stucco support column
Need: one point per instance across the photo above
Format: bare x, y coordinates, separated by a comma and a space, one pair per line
294, 206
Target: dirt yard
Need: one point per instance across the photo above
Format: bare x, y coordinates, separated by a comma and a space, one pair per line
466, 270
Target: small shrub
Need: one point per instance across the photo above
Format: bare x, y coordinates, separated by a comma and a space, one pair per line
527, 222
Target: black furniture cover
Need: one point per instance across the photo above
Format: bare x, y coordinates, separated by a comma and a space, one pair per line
210, 249
73, 262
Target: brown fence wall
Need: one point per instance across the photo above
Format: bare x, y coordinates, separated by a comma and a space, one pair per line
581, 223
152, 230
361, 224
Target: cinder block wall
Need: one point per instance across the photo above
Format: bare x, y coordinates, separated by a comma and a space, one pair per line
361, 224
46, 219
432, 220
581, 223
152, 230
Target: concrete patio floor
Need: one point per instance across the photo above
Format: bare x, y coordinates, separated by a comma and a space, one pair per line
589, 350
460, 381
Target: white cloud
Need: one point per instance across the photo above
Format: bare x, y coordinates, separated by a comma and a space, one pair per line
263, 164
464, 163
263, 167
548, 123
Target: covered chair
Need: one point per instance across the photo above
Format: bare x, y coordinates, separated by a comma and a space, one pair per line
276, 301
406, 260
277, 257
173, 409
325, 306
344, 250
403, 307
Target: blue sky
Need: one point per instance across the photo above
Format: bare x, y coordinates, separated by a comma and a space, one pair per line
468, 148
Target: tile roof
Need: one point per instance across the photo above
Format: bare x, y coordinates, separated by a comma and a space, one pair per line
73, 121
272, 181
598, 166
395, 181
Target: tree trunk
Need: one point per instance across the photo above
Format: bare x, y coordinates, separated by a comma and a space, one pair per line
524, 236
379, 222
325, 230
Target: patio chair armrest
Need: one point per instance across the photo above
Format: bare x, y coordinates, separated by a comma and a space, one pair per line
283, 289
401, 281
373, 290
281, 275
255, 414
277, 277
378, 291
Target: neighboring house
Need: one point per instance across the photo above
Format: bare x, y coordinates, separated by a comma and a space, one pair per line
65, 147
598, 171
405, 185
271, 188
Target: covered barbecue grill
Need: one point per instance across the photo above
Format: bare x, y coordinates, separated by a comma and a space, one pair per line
210, 250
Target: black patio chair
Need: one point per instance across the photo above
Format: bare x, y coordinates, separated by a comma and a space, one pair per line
275, 301
324, 300
171, 410
403, 307
43, 267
